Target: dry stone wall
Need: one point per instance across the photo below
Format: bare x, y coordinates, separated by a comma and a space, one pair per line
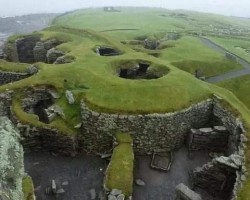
150, 132
8, 77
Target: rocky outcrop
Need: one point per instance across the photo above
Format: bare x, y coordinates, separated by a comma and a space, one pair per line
11, 165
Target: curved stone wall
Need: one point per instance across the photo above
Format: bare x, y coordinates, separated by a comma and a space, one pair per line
150, 132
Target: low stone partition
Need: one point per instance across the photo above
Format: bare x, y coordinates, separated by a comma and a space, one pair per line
214, 139
48, 140
218, 177
185, 193
8, 77
11, 161
150, 132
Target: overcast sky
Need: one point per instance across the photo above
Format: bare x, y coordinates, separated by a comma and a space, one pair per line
226, 7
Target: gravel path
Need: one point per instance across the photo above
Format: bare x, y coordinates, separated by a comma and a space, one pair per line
161, 185
231, 74
76, 176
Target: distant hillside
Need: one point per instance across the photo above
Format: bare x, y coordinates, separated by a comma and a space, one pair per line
25, 24
131, 22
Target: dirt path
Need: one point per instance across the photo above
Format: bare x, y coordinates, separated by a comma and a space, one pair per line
231, 74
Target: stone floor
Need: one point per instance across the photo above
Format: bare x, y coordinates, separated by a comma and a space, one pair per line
79, 177
161, 185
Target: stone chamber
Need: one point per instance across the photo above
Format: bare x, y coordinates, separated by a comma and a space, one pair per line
133, 69
205, 137
32, 49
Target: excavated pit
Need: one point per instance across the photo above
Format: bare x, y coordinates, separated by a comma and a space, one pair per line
31, 49
107, 51
139, 71
37, 102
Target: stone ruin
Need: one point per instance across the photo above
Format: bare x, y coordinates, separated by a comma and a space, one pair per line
9, 77
31, 49
41, 102
223, 137
107, 51
141, 70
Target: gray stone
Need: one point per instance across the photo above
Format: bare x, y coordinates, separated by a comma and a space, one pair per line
236, 159
92, 194
111, 197
65, 183
206, 130
53, 54
64, 60
120, 197
60, 191
220, 128
32, 69
184, 193
59, 111
70, 97
226, 161
78, 126
139, 182
53, 186
115, 192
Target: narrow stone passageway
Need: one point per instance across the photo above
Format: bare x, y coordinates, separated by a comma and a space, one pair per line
76, 178
161, 185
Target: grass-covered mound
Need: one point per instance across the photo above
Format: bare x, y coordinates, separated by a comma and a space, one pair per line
28, 188
119, 173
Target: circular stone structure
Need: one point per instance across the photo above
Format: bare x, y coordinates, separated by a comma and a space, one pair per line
140, 70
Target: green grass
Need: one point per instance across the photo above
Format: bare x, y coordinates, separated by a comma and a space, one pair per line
119, 174
28, 189
238, 46
240, 87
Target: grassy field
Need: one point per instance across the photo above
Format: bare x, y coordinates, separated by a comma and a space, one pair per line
238, 46
240, 87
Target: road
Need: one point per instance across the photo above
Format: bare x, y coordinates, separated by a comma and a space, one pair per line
230, 74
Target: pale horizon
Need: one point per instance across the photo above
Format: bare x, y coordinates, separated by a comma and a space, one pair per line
224, 7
